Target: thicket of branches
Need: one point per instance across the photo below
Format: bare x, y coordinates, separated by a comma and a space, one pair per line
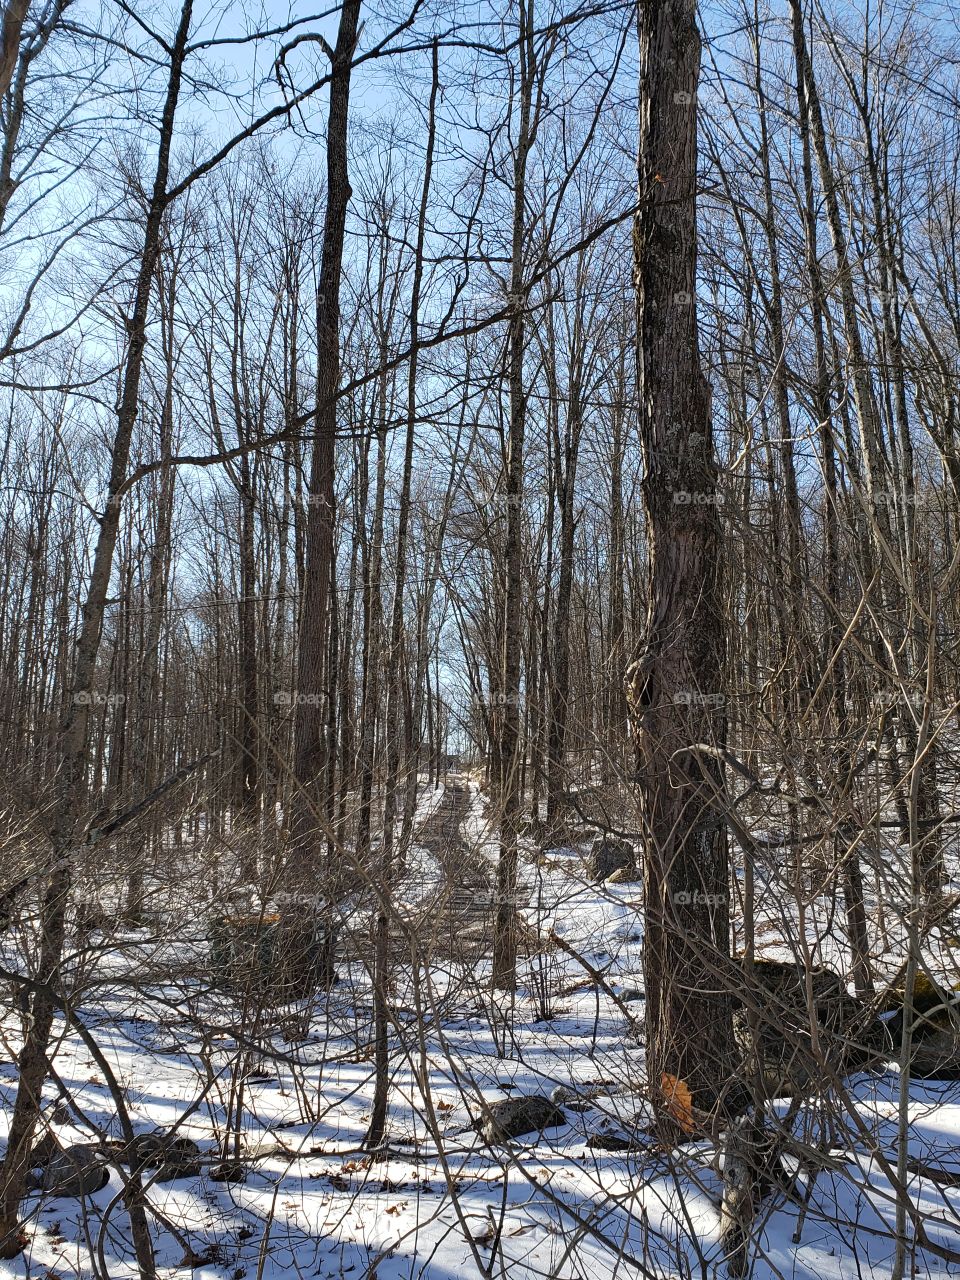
321, 465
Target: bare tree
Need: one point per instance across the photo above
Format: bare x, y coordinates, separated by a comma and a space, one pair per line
675, 685
315, 695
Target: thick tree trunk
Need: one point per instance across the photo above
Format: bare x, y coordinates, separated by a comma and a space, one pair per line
675, 686
145, 746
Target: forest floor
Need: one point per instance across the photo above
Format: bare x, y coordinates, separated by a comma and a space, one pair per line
441, 1202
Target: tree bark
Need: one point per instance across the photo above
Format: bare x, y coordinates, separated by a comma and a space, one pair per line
675, 684
396, 666
510, 797
311, 717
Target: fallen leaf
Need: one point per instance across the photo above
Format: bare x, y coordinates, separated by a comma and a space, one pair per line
679, 1101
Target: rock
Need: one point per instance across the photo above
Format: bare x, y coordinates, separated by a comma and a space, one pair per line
932, 1008
612, 1142
181, 1160
146, 1151
936, 1057
515, 1117
229, 1171
174, 1172
935, 1031
282, 956
629, 994
581, 1099
608, 854
625, 875
855, 1036
182, 1150
73, 1171
45, 1150
90, 917
788, 980
174, 1157
851, 1036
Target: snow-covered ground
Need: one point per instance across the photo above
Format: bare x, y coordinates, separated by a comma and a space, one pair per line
441, 1203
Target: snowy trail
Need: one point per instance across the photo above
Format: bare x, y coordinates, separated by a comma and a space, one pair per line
559, 1203
464, 915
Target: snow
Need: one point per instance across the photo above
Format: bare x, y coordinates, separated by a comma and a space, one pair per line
441, 1203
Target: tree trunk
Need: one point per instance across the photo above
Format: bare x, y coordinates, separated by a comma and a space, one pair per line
510, 798
311, 719
396, 669
675, 684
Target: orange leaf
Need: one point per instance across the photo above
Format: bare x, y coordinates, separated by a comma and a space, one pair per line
679, 1101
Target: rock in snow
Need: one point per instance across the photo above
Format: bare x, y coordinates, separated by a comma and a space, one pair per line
73, 1171
608, 855
514, 1117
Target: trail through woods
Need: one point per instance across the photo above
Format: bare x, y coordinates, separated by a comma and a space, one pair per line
464, 917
